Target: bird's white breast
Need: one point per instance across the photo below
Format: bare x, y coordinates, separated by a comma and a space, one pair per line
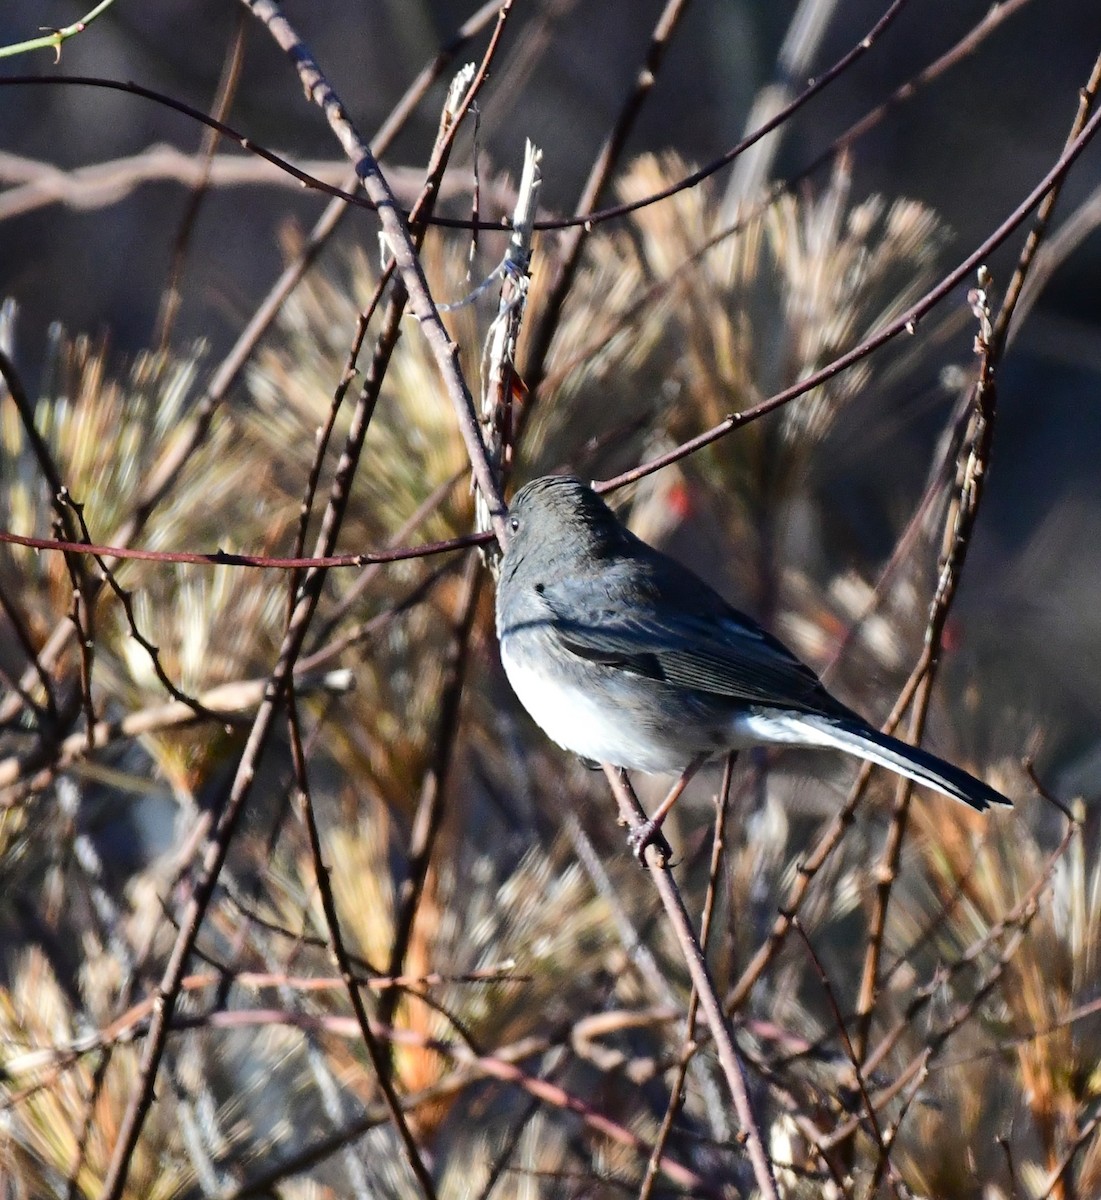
603, 729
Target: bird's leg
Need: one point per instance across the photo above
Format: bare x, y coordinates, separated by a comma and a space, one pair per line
649, 832
631, 812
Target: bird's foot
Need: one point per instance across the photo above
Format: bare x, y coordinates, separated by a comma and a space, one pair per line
647, 834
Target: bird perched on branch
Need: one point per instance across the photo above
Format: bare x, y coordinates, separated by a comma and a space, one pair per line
625, 657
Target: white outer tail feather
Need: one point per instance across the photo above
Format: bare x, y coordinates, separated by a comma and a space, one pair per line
809, 729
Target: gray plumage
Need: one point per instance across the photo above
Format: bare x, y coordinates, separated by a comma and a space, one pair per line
624, 656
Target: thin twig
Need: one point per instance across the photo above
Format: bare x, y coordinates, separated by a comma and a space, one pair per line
617, 211
430, 809
688, 1049
267, 562
51, 472
906, 323
1036, 235
88, 1123
81, 615
325, 433
883, 1160
805, 870
126, 598
600, 172
336, 940
632, 815
401, 246
1081, 1139
171, 296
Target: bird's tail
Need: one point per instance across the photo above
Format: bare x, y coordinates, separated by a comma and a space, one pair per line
854, 736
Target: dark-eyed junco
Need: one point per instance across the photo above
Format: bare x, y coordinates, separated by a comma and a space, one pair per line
626, 657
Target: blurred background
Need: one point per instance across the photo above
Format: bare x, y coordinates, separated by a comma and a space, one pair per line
970, 145
825, 520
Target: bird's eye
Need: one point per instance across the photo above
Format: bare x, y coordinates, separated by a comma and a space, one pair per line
514, 523
540, 588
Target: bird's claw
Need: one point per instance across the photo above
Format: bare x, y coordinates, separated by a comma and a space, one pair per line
645, 835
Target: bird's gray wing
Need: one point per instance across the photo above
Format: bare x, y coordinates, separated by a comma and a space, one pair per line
699, 643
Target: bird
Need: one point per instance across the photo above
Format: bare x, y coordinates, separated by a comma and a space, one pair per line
625, 657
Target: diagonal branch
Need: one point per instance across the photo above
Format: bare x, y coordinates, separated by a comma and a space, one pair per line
632, 815
405, 255
960, 521
400, 244
905, 323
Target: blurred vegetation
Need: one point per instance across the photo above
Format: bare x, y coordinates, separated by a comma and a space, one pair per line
539, 1018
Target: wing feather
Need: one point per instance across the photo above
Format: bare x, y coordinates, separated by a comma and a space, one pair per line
708, 646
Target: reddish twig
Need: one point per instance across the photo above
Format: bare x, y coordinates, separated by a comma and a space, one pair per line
269, 562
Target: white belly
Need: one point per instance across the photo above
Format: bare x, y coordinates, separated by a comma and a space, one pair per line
614, 728
605, 732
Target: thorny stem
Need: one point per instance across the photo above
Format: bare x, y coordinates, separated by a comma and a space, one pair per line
56, 37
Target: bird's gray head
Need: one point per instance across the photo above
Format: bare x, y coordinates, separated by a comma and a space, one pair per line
557, 516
